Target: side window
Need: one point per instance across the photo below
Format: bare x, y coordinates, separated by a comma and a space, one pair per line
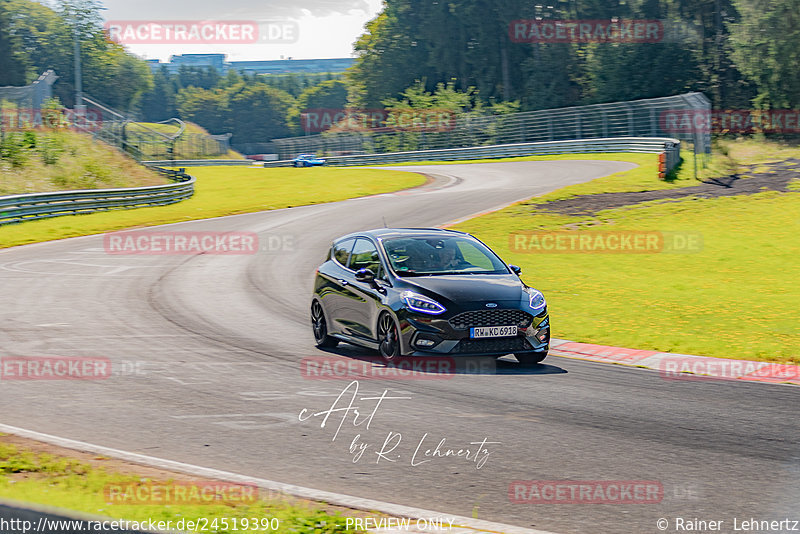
365, 255
341, 250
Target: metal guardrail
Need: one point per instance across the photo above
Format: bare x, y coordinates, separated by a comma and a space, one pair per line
655, 145
19, 208
636, 118
199, 162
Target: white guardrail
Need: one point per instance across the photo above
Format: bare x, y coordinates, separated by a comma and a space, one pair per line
18, 208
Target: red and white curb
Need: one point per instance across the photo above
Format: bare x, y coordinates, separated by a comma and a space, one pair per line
673, 366
419, 516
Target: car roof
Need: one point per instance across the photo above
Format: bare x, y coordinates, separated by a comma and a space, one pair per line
386, 233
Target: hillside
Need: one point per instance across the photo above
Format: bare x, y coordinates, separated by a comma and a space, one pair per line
37, 161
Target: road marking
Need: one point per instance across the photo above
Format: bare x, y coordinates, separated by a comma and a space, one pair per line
357, 503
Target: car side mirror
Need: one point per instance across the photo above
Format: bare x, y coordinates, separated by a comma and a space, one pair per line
365, 275
516, 269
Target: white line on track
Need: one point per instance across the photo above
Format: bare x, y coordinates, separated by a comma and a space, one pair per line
466, 525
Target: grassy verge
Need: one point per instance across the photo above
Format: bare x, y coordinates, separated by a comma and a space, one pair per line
224, 191
73, 484
37, 161
731, 154
735, 297
184, 145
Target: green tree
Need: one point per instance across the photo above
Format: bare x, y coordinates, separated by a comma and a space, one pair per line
13, 63
258, 113
389, 58
47, 37
331, 94
230, 79
766, 47
629, 71
205, 78
159, 103
206, 107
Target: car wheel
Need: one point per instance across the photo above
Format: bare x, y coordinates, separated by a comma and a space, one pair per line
530, 358
320, 327
388, 338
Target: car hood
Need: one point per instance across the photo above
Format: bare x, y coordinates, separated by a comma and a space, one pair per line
469, 287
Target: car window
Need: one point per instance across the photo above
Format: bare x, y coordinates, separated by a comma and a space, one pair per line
365, 256
341, 250
474, 256
441, 255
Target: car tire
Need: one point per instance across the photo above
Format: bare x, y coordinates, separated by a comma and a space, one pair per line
530, 358
320, 327
388, 338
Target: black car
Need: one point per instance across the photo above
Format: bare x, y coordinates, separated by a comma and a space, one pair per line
426, 292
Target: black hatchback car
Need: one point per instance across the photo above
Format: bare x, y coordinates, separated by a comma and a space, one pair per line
426, 292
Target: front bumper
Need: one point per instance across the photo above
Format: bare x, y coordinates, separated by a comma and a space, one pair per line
437, 336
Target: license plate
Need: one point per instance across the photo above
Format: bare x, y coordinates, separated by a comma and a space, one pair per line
492, 331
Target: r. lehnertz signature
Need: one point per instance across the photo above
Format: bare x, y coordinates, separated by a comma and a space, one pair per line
476, 452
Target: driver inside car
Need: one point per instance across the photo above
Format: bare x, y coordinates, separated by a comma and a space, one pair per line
447, 259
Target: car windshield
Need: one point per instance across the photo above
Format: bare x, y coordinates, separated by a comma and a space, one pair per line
420, 256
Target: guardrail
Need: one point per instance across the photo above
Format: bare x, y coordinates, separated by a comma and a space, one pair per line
18, 208
200, 162
656, 145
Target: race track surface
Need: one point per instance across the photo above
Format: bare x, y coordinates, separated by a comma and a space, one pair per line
207, 350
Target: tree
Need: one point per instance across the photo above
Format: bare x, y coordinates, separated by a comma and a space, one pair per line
208, 108
46, 38
205, 78
331, 94
389, 59
13, 64
629, 71
159, 103
258, 113
766, 47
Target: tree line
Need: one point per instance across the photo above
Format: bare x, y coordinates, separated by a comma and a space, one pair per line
738, 52
459, 55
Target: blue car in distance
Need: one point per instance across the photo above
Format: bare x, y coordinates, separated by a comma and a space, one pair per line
307, 160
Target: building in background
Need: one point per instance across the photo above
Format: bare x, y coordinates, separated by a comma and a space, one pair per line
277, 66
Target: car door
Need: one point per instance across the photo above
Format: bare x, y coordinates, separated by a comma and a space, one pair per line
335, 293
362, 316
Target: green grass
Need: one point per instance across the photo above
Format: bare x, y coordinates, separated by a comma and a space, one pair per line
187, 146
731, 154
41, 160
735, 298
69, 483
224, 191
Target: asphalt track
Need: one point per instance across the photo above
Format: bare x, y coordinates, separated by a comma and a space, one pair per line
206, 352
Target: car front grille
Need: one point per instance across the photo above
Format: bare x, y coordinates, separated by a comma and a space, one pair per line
491, 318
491, 346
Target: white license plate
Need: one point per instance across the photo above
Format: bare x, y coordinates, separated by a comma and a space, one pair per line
493, 331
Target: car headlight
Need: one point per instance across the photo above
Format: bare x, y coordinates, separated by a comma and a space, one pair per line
422, 304
536, 301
